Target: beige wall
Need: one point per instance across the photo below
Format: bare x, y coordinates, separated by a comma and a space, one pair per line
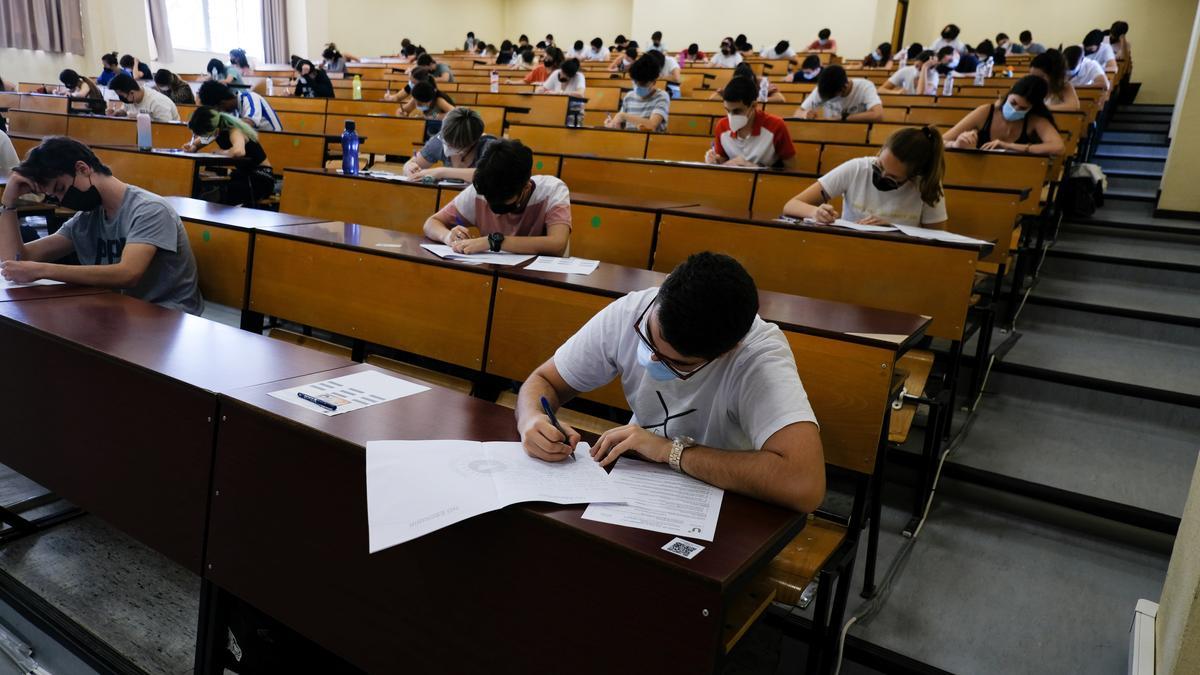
1177, 626
437, 26
763, 21
1183, 159
568, 21
1159, 37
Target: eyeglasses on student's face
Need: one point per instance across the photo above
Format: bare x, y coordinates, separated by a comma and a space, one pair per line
680, 371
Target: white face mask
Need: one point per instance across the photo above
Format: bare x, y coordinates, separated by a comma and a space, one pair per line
736, 122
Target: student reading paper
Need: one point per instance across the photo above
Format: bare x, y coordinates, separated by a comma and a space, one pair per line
713, 388
458, 147
747, 136
126, 238
514, 211
840, 97
1017, 122
901, 186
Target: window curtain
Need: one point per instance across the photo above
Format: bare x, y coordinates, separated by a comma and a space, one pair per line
275, 45
48, 25
156, 10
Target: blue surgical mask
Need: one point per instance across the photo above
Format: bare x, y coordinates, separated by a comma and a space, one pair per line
423, 108
1012, 114
877, 55
810, 74
655, 369
642, 91
954, 62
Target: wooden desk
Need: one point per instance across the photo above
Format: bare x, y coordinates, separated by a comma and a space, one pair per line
379, 202
614, 229
135, 388
222, 239
47, 292
292, 488
713, 186
163, 172
337, 277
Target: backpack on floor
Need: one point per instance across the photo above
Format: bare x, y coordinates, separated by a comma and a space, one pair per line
1083, 191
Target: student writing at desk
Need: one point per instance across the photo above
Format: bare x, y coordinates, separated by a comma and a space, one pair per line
713, 388
747, 136
248, 105
514, 211
251, 178
902, 186
458, 146
646, 107
126, 238
838, 97
139, 99
1018, 122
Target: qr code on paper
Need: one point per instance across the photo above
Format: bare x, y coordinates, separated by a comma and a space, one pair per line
683, 548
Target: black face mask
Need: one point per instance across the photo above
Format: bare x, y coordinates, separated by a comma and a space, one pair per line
882, 182
515, 207
727, 51
81, 200
947, 36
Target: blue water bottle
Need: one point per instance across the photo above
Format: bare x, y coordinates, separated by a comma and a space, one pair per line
350, 150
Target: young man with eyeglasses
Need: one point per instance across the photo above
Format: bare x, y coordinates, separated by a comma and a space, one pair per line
513, 210
713, 388
125, 237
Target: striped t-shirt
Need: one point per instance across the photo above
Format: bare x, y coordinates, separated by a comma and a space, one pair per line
658, 101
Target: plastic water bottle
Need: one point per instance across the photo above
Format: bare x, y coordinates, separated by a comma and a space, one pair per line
494, 82
145, 137
991, 66
948, 85
980, 74
357, 88
931, 82
270, 86
350, 150
764, 89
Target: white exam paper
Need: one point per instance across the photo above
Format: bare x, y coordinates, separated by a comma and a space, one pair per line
938, 235
661, 500
418, 487
850, 225
351, 392
501, 258
547, 263
5, 283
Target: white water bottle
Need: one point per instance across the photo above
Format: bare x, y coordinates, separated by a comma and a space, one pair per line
931, 82
948, 85
270, 86
991, 66
494, 82
980, 74
764, 89
145, 137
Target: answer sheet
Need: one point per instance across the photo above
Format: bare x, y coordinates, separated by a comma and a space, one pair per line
850, 225
5, 283
939, 235
351, 392
548, 263
661, 500
418, 487
502, 258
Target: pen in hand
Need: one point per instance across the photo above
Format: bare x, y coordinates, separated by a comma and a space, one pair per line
554, 420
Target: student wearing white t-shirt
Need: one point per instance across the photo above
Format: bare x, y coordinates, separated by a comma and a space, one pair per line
900, 186
728, 57
949, 38
566, 80
597, 52
781, 50
911, 78
1084, 72
713, 388
1096, 49
838, 97
139, 99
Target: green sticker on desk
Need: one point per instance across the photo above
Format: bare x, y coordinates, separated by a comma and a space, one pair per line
206, 236
539, 165
691, 123
595, 221
295, 142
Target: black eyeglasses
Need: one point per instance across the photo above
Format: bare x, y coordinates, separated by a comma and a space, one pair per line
888, 181
645, 338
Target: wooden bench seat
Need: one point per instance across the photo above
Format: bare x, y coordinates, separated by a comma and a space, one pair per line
916, 366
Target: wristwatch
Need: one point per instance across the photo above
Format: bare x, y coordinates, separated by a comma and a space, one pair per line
494, 241
678, 445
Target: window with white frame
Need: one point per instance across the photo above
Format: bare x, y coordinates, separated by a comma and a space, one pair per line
216, 25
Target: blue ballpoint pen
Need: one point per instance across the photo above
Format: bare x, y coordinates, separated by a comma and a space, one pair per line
554, 421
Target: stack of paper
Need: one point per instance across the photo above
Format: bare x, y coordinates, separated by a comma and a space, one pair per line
547, 263
351, 392
849, 225
418, 487
661, 500
939, 235
501, 258
5, 283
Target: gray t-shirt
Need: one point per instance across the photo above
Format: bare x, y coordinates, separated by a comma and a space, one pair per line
434, 150
143, 218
